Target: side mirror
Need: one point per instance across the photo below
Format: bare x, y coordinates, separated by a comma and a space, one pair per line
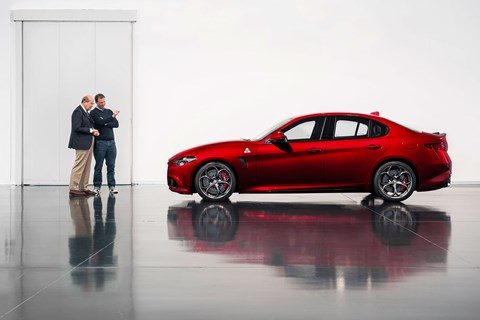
278, 137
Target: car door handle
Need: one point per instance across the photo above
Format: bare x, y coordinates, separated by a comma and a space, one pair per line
314, 150
373, 147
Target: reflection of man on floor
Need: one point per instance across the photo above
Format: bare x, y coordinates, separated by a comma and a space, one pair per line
104, 232
90, 252
81, 244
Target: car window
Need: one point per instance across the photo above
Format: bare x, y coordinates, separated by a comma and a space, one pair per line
302, 131
350, 128
378, 129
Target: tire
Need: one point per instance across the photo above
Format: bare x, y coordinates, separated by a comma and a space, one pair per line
215, 181
394, 181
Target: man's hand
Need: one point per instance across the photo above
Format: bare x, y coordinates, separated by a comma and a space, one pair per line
95, 132
115, 113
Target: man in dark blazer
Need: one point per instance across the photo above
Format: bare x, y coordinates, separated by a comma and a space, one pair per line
82, 140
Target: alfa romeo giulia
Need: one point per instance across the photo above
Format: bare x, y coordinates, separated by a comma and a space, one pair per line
325, 152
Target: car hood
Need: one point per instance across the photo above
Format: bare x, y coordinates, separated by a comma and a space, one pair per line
211, 147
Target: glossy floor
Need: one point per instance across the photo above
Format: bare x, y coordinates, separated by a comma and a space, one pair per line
148, 253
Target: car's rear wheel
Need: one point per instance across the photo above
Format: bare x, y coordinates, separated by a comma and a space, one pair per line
394, 181
215, 181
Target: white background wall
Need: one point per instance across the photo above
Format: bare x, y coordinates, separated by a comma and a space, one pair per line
221, 69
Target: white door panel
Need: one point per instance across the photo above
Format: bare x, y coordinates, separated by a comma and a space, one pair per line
40, 81
113, 68
76, 73
62, 62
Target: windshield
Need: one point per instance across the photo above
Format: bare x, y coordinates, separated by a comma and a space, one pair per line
270, 130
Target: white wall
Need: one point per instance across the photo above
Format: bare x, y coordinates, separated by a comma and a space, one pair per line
5, 137
220, 69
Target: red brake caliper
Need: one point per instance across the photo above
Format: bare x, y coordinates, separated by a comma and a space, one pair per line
223, 176
404, 180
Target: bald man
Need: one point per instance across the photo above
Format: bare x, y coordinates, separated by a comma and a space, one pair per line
82, 140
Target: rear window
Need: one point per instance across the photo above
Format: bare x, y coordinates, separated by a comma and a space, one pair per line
350, 127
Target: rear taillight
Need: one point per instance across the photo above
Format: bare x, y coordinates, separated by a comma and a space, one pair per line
437, 146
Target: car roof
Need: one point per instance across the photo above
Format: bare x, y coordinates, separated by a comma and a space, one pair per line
373, 115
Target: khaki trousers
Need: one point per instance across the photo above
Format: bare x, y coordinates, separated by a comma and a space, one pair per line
81, 169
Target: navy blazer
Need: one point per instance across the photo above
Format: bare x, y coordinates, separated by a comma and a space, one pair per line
80, 136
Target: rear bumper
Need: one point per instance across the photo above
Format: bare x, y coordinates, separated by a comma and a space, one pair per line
440, 177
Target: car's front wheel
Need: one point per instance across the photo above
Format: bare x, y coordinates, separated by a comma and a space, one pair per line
394, 181
215, 181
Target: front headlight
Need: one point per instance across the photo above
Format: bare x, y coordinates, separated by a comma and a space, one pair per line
183, 161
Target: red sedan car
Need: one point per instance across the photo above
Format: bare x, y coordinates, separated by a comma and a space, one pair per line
325, 152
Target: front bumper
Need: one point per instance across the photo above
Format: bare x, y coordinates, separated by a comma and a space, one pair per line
179, 178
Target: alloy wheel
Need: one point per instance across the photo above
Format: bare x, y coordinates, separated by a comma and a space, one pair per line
215, 181
394, 181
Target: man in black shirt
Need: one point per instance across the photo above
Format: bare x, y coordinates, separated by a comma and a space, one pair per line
105, 148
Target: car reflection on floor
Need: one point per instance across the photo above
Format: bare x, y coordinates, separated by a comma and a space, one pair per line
321, 245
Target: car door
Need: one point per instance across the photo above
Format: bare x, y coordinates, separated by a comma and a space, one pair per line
352, 150
295, 163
